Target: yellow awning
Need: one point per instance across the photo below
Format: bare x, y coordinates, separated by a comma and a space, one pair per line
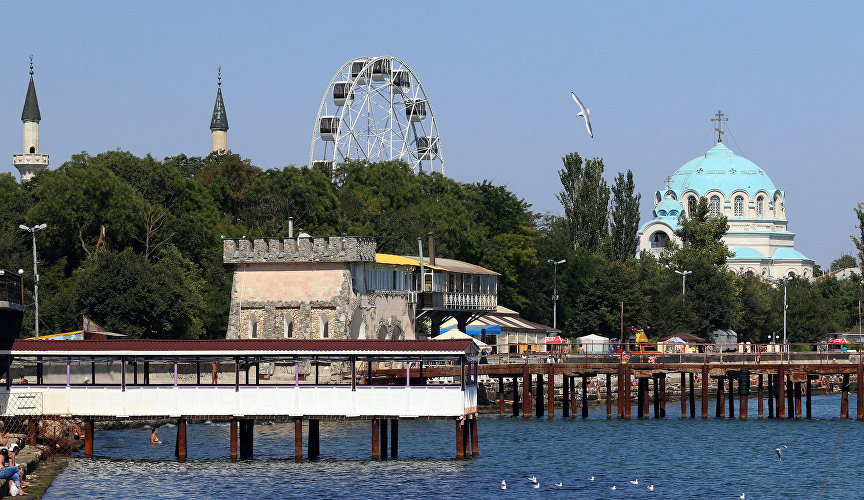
641, 337
398, 260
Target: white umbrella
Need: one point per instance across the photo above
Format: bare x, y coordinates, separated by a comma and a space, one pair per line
455, 334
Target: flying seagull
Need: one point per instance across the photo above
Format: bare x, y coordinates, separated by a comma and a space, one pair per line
584, 113
779, 449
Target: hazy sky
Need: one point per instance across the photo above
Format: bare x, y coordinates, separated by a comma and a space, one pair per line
142, 77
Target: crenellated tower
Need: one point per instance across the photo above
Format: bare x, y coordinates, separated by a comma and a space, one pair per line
219, 121
31, 161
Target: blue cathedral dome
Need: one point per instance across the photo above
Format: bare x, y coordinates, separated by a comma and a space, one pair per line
721, 169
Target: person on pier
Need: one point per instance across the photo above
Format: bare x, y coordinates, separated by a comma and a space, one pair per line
12, 473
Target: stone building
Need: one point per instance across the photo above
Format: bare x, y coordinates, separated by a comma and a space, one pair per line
339, 287
739, 189
30, 161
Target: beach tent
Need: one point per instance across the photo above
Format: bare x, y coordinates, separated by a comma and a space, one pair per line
593, 343
454, 334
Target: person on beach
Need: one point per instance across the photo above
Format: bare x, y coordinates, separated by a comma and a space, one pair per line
12, 472
9, 460
154, 440
214, 372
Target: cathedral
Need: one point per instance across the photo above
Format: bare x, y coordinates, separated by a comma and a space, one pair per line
32, 161
737, 188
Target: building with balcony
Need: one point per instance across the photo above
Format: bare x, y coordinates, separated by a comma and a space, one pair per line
11, 307
340, 287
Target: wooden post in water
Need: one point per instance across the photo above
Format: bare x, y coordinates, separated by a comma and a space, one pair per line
501, 396
460, 439
655, 379
584, 396
770, 395
383, 425
705, 391
797, 400
375, 445
526, 393
565, 403
550, 394
844, 401
760, 411
620, 389
475, 440
313, 448
640, 399
394, 438
298, 439
538, 406
233, 439
809, 413
662, 395
608, 395
781, 392
683, 392
790, 398
720, 410
627, 405
859, 394
573, 401
517, 405
692, 395
744, 394
731, 397
180, 448
88, 438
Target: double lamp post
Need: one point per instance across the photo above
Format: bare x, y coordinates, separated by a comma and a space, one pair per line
32, 231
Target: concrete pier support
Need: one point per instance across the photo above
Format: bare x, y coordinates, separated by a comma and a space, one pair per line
460, 438
683, 395
759, 395
313, 446
298, 439
584, 396
565, 403
704, 400
781, 392
608, 395
744, 395
550, 393
375, 445
394, 438
88, 438
233, 439
180, 444
844, 401
475, 440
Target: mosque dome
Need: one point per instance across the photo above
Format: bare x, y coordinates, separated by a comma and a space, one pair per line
719, 169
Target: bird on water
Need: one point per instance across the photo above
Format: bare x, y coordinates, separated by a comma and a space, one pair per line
650, 487
584, 113
558, 485
778, 451
503, 484
536, 486
533, 479
591, 478
635, 481
614, 488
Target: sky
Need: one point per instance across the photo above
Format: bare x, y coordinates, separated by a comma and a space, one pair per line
142, 77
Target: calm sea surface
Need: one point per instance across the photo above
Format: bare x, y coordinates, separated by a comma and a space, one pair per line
713, 459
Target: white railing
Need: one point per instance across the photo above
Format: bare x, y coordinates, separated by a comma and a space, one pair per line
457, 300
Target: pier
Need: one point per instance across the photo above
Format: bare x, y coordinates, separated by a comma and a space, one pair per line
242, 381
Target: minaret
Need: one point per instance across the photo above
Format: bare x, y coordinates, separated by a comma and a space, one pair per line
31, 161
219, 122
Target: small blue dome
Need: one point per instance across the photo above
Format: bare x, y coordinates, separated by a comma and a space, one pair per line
720, 168
669, 207
788, 254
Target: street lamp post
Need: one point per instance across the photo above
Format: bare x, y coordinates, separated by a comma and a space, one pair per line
555, 291
683, 283
785, 307
32, 231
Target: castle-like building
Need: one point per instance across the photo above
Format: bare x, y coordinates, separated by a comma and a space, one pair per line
31, 160
739, 189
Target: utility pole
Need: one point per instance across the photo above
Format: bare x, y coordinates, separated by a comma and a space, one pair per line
32, 231
555, 291
683, 284
621, 345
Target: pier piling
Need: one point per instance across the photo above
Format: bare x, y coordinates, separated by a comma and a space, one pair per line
704, 401
180, 444
526, 393
233, 439
844, 401
720, 410
770, 396
538, 405
550, 393
797, 400
313, 441
732, 397
384, 451
640, 398
375, 445
573, 400
809, 410
790, 398
475, 446
859, 394
781, 392
608, 395
501, 396
662, 395
565, 403
394, 438
298, 439
656, 379
683, 395
584, 396
460, 438
516, 403
692, 396
759, 395
88, 438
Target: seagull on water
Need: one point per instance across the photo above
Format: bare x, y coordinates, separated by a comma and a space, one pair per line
558, 485
743, 496
635, 481
536, 486
503, 484
613, 488
591, 478
584, 113
778, 449
533, 479
650, 487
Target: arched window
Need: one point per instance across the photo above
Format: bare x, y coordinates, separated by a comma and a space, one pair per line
287, 325
715, 205
253, 326
325, 326
32, 149
760, 207
739, 206
382, 332
691, 204
659, 240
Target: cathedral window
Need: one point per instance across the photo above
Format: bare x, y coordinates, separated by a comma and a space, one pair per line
715, 205
739, 206
760, 207
691, 204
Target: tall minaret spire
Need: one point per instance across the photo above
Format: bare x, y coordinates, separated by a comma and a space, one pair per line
31, 161
219, 121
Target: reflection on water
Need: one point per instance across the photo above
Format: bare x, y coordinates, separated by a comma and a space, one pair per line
681, 458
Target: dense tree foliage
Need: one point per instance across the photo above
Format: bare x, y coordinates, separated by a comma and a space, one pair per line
134, 243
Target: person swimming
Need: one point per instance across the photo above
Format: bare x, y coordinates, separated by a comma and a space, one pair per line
153, 438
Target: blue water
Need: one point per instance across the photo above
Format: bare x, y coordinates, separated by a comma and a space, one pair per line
682, 458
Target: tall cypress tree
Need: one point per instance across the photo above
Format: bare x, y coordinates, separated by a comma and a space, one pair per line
585, 198
624, 219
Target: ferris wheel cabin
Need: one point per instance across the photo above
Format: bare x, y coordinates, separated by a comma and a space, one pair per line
415, 110
358, 72
340, 93
427, 148
329, 128
401, 80
381, 70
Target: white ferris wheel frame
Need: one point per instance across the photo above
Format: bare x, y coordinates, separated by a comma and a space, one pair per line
376, 128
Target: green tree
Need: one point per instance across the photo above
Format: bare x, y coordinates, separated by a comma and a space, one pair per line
624, 218
859, 240
585, 197
844, 261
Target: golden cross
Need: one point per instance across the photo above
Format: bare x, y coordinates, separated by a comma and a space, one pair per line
719, 128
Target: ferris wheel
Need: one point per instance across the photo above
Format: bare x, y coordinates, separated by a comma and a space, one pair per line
376, 109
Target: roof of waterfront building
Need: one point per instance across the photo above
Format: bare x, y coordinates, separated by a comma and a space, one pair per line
240, 347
